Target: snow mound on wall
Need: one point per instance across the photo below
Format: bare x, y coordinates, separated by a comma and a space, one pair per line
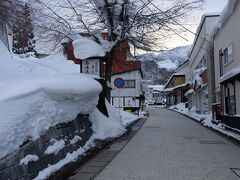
85, 48
30, 107
28, 159
36, 94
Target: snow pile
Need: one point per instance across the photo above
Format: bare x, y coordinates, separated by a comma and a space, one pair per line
70, 157
156, 87
103, 128
28, 159
197, 79
114, 126
205, 119
86, 48
75, 139
38, 94
127, 118
189, 92
230, 74
56, 147
226, 12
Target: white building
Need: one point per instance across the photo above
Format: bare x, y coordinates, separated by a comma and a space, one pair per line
6, 35
227, 64
198, 64
127, 97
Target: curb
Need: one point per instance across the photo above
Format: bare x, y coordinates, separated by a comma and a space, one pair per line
231, 139
100, 145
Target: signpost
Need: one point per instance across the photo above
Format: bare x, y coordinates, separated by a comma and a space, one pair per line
119, 83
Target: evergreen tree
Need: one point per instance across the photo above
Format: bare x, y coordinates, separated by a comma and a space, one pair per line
23, 37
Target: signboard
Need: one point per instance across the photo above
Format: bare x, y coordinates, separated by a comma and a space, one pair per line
119, 83
91, 66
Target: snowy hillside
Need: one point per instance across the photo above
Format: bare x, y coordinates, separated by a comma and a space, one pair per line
170, 59
158, 68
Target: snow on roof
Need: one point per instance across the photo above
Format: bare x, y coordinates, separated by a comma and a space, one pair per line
175, 74
204, 16
85, 48
189, 92
226, 12
230, 74
182, 85
157, 87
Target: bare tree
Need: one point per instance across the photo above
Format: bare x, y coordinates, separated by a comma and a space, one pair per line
141, 22
9, 10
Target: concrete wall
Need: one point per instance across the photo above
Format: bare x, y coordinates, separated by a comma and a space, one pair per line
10, 168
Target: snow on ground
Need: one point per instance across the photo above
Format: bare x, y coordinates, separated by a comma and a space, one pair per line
205, 119
56, 147
103, 127
28, 159
38, 94
75, 139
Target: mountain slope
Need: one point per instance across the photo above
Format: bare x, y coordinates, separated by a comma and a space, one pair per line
158, 68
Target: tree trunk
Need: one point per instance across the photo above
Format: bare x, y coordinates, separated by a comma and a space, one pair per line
108, 71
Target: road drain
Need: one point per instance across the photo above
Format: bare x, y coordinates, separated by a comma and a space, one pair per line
212, 142
236, 171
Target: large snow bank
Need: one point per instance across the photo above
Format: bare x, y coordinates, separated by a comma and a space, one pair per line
85, 48
103, 128
38, 94
197, 79
114, 126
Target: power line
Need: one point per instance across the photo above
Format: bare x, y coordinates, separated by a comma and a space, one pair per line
208, 50
197, 35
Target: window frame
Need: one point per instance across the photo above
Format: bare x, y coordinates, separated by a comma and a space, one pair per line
227, 57
126, 83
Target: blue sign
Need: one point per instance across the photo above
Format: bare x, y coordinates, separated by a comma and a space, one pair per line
119, 83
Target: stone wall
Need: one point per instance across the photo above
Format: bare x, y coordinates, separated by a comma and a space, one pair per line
10, 167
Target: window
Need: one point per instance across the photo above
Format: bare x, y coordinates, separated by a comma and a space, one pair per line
129, 84
230, 103
227, 54
220, 62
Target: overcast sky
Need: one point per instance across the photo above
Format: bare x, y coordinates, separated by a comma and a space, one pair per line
211, 6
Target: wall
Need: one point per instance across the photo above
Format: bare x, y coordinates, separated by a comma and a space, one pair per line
229, 33
200, 50
10, 167
3, 35
179, 81
184, 69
